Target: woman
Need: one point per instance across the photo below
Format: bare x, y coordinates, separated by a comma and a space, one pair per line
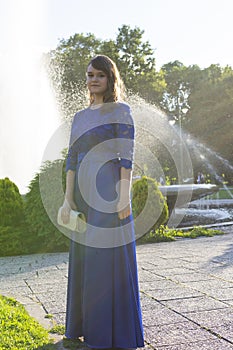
103, 299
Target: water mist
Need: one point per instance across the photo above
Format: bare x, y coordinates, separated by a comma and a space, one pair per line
27, 108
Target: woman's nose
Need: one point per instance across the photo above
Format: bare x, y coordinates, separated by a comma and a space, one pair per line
94, 78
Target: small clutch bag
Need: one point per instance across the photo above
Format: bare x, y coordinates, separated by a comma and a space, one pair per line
77, 221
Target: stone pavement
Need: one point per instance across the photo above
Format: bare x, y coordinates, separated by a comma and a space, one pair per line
186, 291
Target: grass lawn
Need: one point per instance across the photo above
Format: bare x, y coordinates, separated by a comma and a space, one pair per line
222, 194
19, 331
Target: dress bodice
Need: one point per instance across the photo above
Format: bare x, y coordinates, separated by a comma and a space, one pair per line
107, 131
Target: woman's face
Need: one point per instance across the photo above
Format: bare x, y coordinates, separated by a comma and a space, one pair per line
97, 81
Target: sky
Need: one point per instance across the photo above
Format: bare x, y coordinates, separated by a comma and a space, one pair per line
191, 31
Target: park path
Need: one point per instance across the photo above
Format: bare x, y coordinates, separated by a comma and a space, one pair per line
186, 291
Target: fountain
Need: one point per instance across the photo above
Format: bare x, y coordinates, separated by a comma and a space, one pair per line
197, 191
183, 194
208, 211
28, 110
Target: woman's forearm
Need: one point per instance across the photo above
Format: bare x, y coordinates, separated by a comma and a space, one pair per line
69, 197
70, 177
123, 205
125, 183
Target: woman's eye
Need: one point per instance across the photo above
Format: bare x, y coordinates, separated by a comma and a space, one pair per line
97, 76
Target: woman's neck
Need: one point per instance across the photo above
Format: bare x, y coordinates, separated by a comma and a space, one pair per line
95, 106
98, 100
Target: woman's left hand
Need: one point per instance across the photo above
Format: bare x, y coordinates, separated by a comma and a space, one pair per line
123, 209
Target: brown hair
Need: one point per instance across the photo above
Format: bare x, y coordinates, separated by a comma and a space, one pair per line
115, 86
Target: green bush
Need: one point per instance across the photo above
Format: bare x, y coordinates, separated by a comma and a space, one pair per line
44, 192
161, 234
198, 231
11, 204
15, 240
18, 330
148, 197
14, 236
166, 234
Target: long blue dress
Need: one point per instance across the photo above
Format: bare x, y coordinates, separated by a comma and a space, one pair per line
103, 302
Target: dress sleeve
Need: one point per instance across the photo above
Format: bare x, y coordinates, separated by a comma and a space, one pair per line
124, 133
71, 161
72, 157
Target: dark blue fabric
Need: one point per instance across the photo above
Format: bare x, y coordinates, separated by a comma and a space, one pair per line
103, 302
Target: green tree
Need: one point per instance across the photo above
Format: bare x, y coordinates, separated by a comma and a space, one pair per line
13, 230
213, 73
11, 204
137, 64
134, 58
109, 48
210, 118
67, 68
74, 54
177, 88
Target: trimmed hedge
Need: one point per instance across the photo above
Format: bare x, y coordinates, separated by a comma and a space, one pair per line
146, 195
44, 192
11, 204
15, 240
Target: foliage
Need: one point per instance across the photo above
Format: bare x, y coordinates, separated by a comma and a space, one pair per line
135, 59
20, 331
58, 329
165, 234
25, 227
11, 204
161, 234
223, 193
176, 81
67, 67
209, 119
75, 53
14, 235
207, 92
15, 240
146, 195
137, 64
74, 344
46, 185
199, 231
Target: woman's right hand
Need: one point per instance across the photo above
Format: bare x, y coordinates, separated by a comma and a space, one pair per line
66, 208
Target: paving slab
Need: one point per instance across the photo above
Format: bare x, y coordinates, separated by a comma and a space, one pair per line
161, 316
175, 293
186, 290
176, 333
194, 304
211, 318
207, 344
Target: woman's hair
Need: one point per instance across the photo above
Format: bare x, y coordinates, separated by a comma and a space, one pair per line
115, 85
